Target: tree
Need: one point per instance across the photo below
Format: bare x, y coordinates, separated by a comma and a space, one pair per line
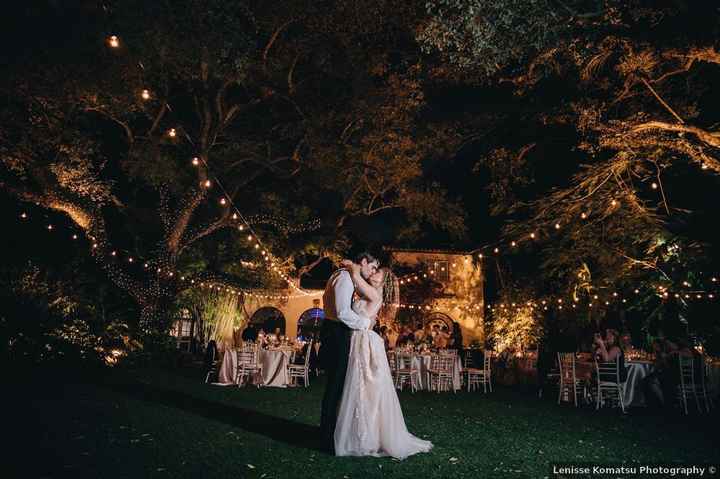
153, 119
613, 213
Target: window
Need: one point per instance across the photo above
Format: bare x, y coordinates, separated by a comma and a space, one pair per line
442, 270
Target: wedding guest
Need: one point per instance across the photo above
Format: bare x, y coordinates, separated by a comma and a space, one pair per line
456, 337
250, 333
608, 350
442, 338
393, 337
419, 334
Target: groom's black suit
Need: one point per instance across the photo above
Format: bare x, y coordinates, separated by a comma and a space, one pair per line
335, 337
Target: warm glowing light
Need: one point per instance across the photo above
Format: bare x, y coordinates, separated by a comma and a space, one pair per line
75, 237
172, 133
480, 256
557, 226
114, 41
145, 94
130, 259
234, 216
113, 253
583, 215
496, 250
207, 183
195, 161
654, 185
50, 227
532, 235
257, 246
614, 202
249, 238
704, 166
241, 227
637, 291
23, 215
223, 201
513, 244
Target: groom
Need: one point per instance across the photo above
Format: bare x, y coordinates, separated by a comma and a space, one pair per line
335, 337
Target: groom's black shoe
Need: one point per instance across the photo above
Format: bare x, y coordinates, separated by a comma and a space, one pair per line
328, 445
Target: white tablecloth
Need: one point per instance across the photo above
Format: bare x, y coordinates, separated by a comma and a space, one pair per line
636, 372
422, 363
274, 368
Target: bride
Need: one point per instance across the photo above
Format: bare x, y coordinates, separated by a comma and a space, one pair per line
370, 421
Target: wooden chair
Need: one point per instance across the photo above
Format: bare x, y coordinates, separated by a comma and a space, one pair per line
608, 383
568, 381
440, 374
687, 385
296, 371
404, 372
477, 376
248, 365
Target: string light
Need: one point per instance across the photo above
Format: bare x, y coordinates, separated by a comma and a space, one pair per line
145, 94
195, 161
172, 133
654, 185
114, 41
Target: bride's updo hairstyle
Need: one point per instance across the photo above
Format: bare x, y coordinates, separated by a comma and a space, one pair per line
391, 296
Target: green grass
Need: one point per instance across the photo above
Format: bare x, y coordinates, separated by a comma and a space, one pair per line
153, 423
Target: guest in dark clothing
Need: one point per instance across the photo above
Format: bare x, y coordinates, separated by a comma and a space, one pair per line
250, 333
457, 339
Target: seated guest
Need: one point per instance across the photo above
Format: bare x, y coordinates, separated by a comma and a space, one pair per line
419, 335
250, 333
442, 338
607, 350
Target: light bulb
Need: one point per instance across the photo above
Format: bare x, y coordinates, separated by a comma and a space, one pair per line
223, 201
207, 183
195, 161
172, 133
654, 185
583, 215
145, 94
557, 226
113, 41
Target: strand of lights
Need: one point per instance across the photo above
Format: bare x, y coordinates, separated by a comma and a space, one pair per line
114, 42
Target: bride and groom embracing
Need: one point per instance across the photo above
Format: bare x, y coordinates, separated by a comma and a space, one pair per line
361, 414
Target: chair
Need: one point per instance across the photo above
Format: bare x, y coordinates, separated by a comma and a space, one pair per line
477, 376
248, 365
392, 362
706, 392
608, 382
440, 374
296, 371
687, 384
568, 380
211, 361
404, 372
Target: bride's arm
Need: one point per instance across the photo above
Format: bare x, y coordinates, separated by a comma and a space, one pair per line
364, 288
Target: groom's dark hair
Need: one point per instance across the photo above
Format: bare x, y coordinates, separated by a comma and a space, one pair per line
369, 257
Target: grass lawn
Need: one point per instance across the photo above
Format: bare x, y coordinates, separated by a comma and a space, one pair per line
158, 423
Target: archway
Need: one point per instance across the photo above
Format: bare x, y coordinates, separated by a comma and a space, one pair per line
310, 322
269, 319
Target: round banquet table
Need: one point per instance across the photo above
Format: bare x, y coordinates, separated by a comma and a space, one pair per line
421, 362
636, 372
274, 368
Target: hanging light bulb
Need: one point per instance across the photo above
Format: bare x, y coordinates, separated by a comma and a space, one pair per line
172, 133
496, 250
234, 216
583, 215
74, 237
532, 235
241, 227
23, 215
113, 41
195, 161
145, 94
223, 201
557, 226
614, 202
654, 185
207, 183
513, 244
50, 227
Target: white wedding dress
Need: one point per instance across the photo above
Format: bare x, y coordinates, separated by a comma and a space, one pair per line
370, 421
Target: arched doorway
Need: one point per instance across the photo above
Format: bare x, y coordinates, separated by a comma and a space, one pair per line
310, 322
442, 320
268, 319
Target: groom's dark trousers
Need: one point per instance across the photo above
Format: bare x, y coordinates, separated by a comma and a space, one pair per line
333, 357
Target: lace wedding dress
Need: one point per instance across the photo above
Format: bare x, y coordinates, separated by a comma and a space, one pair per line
370, 421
